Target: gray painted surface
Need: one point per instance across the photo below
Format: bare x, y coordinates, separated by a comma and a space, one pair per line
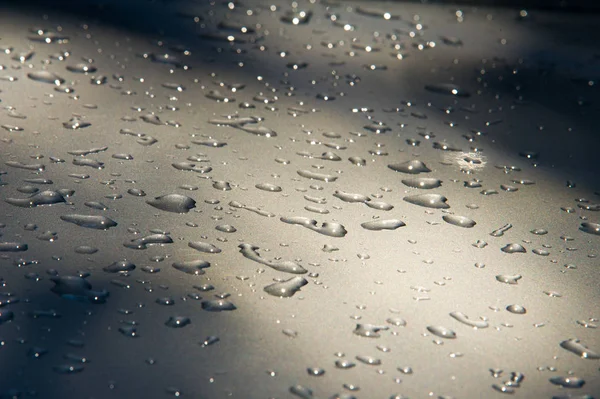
533, 90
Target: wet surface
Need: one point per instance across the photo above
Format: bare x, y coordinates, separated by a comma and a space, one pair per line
313, 200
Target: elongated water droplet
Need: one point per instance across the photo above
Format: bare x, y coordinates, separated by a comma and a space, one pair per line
413, 167
460, 221
327, 228
251, 252
463, 318
193, 267
90, 221
175, 203
388, 224
425, 183
513, 248
575, 346
441, 332
286, 288
436, 201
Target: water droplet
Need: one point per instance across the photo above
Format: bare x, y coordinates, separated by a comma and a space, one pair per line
315, 371
251, 252
500, 232
204, 247
413, 167
82, 68
448, 89
568, 382
46, 77
441, 332
344, 364
6, 316
301, 391
175, 203
121, 266
68, 369
286, 288
369, 330
463, 318
90, 221
369, 360
218, 305
226, 228
178, 321
590, 228
76, 123
513, 248
575, 346
327, 228
516, 309
378, 225
539, 232
460, 221
317, 176
193, 267
86, 250
509, 279
425, 183
436, 201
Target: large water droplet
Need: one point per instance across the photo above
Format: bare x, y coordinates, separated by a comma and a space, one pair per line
46, 77
251, 252
286, 288
575, 346
441, 332
90, 221
568, 382
460, 221
193, 267
425, 183
436, 201
463, 318
388, 224
175, 203
413, 167
513, 248
327, 228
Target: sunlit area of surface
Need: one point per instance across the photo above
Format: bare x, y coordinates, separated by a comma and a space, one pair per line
312, 199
